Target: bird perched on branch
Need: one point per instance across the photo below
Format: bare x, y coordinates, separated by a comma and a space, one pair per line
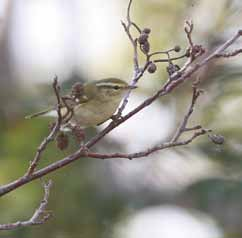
90, 104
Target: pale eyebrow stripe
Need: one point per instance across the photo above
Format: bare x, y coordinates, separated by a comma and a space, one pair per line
109, 84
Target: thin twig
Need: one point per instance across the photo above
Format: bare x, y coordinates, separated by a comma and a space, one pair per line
174, 81
188, 28
193, 128
169, 59
128, 13
182, 128
137, 72
52, 134
40, 216
133, 83
148, 151
183, 75
136, 27
161, 52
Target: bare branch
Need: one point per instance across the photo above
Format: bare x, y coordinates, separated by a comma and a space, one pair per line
184, 74
40, 216
182, 128
222, 48
229, 54
193, 128
83, 152
148, 151
134, 44
171, 59
136, 71
133, 83
136, 27
188, 28
128, 12
166, 52
177, 76
52, 134
174, 141
175, 80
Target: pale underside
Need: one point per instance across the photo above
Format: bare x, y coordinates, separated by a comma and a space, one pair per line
94, 113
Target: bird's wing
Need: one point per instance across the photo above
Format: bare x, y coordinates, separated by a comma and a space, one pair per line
44, 112
52, 111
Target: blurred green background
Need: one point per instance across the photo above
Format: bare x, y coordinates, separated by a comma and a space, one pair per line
194, 191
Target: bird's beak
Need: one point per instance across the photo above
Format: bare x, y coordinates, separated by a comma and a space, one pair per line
131, 87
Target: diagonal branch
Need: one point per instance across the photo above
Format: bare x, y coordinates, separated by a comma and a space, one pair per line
229, 54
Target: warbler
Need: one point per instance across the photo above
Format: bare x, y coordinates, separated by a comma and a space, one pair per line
97, 102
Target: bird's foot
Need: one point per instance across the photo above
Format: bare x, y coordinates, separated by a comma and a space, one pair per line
116, 117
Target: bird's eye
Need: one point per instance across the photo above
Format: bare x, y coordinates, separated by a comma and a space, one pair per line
116, 87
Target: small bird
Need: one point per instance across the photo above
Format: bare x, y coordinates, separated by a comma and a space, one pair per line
96, 103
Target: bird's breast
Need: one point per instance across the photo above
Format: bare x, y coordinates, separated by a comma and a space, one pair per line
94, 112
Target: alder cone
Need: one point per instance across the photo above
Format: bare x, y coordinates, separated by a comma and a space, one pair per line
143, 38
62, 141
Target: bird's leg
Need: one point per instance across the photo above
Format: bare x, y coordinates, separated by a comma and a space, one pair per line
114, 118
66, 126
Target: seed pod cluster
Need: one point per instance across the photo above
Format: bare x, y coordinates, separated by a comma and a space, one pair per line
77, 90
172, 68
78, 133
217, 139
62, 141
143, 40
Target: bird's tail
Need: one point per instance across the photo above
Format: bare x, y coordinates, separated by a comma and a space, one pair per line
46, 112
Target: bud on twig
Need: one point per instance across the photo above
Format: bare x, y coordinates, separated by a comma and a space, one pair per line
152, 68
177, 48
78, 133
216, 139
146, 47
77, 90
143, 38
